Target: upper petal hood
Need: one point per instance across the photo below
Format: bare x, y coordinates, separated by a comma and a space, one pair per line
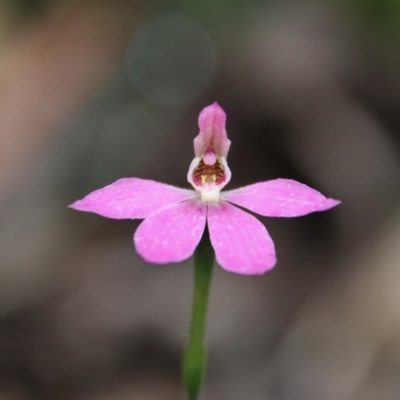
212, 120
209, 171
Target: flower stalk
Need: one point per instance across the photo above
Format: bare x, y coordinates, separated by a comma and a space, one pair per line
194, 360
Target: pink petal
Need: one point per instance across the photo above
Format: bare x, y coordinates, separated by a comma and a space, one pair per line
131, 198
241, 242
212, 121
280, 198
172, 234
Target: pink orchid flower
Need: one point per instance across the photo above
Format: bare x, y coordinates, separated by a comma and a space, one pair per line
175, 218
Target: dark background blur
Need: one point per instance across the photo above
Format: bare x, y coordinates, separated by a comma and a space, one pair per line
91, 91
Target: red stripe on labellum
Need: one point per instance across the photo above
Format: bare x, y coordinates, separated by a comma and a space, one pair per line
206, 174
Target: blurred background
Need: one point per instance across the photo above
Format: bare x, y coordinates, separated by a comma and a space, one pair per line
92, 91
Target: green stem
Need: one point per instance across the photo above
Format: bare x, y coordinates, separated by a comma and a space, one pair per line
194, 361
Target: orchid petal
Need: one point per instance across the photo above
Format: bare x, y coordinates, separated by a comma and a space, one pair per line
279, 198
172, 234
212, 120
131, 198
241, 242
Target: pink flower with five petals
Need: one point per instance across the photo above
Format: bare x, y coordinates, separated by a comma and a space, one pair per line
175, 218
